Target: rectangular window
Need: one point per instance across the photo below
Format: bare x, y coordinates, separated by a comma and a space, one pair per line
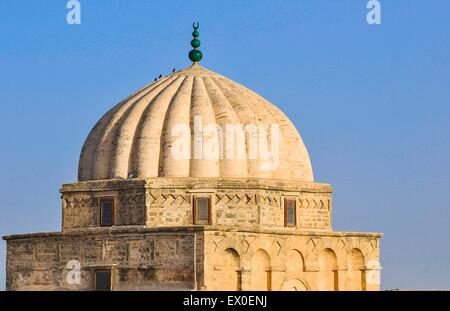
106, 212
290, 213
102, 280
202, 210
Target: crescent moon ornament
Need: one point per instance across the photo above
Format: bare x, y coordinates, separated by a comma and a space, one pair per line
195, 55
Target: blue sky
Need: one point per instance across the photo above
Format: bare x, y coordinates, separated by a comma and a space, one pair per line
372, 103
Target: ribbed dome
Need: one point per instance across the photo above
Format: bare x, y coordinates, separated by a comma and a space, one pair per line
135, 138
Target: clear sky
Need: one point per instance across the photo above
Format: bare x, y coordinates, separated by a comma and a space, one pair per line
372, 103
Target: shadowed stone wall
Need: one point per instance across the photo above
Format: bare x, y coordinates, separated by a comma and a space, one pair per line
138, 260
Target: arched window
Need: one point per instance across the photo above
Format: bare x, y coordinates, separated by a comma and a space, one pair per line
261, 274
328, 274
294, 261
356, 273
229, 275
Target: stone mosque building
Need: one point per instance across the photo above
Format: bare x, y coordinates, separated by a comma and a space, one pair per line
141, 217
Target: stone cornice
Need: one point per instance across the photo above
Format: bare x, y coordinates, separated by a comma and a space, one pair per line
123, 230
197, 183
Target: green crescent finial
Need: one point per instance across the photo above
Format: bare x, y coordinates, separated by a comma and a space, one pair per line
195, 55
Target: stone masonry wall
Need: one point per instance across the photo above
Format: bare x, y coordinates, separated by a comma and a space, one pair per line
138, 261
203, 258
238, 203
80, 204
291, 261
167, 202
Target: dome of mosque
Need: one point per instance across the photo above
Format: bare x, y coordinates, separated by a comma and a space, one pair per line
194, 123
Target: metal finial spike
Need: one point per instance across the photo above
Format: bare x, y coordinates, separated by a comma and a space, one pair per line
195, 55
